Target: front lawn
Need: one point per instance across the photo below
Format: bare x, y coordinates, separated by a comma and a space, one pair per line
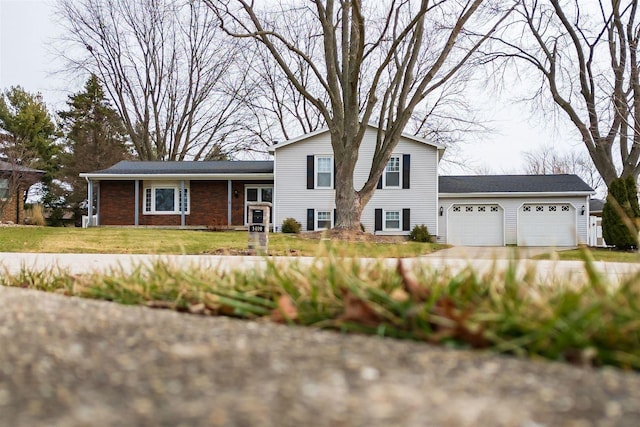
598, 254
170, 241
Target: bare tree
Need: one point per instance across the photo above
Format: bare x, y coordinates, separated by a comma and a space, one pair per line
586, 56
169, 71
547, 161
371, 65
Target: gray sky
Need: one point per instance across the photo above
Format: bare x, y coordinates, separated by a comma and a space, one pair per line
27, 30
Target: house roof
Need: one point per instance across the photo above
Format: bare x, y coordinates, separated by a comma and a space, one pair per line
509, 184
596, 205
194, 170
324, 130
12, 167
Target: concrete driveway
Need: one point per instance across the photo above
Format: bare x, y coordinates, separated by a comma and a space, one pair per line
494, 252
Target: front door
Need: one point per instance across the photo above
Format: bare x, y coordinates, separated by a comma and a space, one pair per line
257, 193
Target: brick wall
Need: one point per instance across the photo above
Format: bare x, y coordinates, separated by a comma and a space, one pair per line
8, 208
208, 204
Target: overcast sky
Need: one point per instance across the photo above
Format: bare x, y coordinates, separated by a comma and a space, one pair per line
27, 30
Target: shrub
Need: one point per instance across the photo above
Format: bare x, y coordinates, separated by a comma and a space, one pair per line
290, 225
622, 191
35, 215
420, 234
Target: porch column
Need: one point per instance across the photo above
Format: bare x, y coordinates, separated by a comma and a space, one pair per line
229, 201
183, 203
90, 200
98, 204
136, 209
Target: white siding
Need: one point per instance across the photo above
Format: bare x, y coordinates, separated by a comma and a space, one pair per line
511, 206
292, 198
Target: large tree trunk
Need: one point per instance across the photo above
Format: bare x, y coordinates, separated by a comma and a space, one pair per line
348, 203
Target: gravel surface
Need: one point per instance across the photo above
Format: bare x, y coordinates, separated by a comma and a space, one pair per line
73, 362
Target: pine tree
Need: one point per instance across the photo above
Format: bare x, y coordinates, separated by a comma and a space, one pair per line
94, 139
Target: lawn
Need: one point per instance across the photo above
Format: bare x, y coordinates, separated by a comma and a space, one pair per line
598, 254
170, 241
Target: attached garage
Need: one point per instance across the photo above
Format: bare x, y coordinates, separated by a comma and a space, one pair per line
547, 224
523, 210
476, 225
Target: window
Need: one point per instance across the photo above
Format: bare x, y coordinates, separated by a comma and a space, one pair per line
323, 220
392, 173
552, 208
527, 208
468, 209
324, 172
494, 209
4, 188
565, 208
456, 208
392, 220
165, 198
482, 209
258, 194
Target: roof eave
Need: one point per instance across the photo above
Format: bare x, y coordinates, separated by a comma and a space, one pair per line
189, 176
517, 194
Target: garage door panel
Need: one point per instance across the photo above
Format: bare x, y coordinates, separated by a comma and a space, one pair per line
547, 225
475, 225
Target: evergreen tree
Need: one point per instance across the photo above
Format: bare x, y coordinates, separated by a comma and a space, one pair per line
621, 230
94, 139
30, 133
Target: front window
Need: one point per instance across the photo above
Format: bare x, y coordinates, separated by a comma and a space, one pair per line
392, 220
323, 220
392, 173
258, 194
324, 172
4, 188
165, 198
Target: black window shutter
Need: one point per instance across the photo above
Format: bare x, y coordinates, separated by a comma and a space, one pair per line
406, 171
310, 172
380, 182
310, 219
378, 224
335, 217
334, 172
406, 219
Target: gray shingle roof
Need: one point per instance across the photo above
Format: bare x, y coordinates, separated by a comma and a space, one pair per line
512, 184
596, 205
127, 167
10, 167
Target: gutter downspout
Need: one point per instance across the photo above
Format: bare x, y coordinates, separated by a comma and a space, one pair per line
183, 203
136, 209
229, 201
90, 202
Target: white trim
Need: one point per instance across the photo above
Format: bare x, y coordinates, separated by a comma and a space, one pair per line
514, 194
173, 185
316, 171
384, 220
400, 173
414, 138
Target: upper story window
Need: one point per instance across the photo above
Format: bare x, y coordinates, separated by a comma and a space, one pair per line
166, 198
4, 188
391, 175
324, 172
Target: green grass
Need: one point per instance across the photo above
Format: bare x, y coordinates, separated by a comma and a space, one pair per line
595, 324
171, 241
598, 254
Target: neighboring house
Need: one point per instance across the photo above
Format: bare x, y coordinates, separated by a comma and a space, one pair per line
407, 192
595, 223
151, 193
535, 210
15, 180
524, 210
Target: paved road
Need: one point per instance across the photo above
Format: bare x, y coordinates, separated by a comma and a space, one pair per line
83, 263
71, 362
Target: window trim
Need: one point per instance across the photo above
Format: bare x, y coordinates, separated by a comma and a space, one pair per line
317, 171
384, 220
258, 187
173, 185
384, 173
316, 219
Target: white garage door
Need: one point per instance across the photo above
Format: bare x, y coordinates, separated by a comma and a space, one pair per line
475, 225
546, 225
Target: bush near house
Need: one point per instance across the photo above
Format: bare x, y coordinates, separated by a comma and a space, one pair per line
420, 233
290, 225
620, 213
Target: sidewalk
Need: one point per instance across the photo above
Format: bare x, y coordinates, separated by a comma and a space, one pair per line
74, 362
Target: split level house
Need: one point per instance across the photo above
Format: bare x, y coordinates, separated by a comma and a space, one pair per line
300, 183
